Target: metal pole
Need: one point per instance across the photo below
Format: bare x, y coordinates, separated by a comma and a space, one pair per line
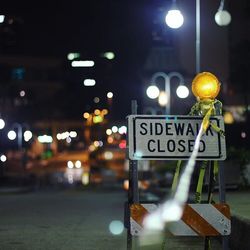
168, 94
133, 191
197, 36
222, 198
19, 135
133, 166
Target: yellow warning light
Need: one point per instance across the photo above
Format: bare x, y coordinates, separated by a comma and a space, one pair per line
205, 86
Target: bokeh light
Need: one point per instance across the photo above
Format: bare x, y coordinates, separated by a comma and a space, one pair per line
78, 164
27, 135
12, 135
3, 158
108, 131
110, 95
2, 123
116, 227
163, 98
70, 164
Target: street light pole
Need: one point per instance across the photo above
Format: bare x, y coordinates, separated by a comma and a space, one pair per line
19, 134
167, 78
198, 64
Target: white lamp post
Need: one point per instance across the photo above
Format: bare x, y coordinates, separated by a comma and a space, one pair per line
164, 98
12, 134
222, 18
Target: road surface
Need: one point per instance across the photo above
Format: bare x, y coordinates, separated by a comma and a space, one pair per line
69, 219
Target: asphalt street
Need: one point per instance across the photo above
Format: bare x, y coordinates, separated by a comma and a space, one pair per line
65, 220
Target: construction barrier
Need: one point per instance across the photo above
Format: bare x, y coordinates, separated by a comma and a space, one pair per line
197, 220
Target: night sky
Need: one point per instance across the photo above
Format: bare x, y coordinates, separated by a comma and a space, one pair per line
55, 28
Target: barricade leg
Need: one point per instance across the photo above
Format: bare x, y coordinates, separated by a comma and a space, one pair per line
222, 197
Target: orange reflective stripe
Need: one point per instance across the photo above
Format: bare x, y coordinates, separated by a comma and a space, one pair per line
138, 213
197, 223
224, 209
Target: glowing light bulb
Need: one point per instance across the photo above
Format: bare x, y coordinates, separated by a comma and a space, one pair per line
174, 19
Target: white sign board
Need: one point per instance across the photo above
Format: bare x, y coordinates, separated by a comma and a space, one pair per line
173, 138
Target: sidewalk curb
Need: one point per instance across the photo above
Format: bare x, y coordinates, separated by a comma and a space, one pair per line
240, 233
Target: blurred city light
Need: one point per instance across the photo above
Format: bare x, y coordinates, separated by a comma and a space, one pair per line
70, 164
92, 148
59, 136
110, 140
222, 18
2, 123
27, 135
122, 130
2, 17
104, 111
82, 63
110, 95
97, 112
109, 55
3, 158
96, 99
108, 131
89, 82
243, 135
12, 135
108, 155
97, 119
163, 98
72, 134
86, 115
68, 140
66, 135
72, 56
114, 129
45, 139
22, 93
122, 144
182, 91
85, 178
174, 19
126, 184
78, 164
116, 227
228, 118
153, 92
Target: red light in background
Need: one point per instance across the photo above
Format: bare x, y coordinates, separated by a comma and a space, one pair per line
122, 144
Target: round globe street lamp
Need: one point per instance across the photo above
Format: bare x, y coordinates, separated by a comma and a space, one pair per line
174, 18
2, 123
164, 97
27, 135
20, 136
222, 17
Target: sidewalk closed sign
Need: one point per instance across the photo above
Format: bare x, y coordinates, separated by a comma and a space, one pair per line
173, 138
